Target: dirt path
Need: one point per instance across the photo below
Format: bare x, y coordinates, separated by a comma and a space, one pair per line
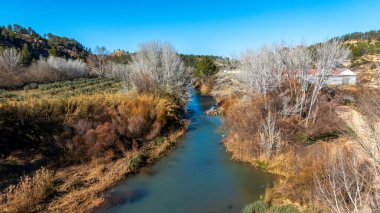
357, 122
354, 120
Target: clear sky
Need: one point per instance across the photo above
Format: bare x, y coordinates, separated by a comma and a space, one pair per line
193, 26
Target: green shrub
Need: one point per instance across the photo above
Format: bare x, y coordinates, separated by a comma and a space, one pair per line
262, 207
159, 140
323, 136
136, 161
256, 207
263, 165
284, 209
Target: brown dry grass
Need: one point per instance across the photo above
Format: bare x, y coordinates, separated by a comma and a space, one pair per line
100, 116
300, 160
301, 186
78, 188
204, 89
31, 191
82, 185
101, 131
227, 104
204, 86
297, 169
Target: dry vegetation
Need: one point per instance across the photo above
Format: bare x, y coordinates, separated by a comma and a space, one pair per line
14, 75
286, 122
86, 121
31, 191
92, 132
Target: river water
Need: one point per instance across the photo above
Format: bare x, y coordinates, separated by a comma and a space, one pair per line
198, 176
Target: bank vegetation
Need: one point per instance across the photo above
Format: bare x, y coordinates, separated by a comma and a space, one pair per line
74, 129
285, 120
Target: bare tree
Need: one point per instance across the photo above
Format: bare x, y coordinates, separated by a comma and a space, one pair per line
369, 138
298, 62
265, 70
329, 56
346, 184
117, 71
9, 59
157, 67
227, 82
261, 71
270, 138
120, 72
68, 68
100, 63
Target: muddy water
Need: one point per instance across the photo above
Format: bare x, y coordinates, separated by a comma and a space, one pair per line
198, 176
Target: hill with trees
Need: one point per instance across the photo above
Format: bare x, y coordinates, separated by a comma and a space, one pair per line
32, 45
365, 54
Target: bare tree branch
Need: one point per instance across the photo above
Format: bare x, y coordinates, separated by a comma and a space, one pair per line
157, 66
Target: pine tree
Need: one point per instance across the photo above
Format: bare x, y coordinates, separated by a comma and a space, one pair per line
205, 68
26, 56
53, 51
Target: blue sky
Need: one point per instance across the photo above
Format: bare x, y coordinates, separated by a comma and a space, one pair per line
194, 26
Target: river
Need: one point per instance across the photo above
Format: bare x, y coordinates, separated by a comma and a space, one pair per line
198, 176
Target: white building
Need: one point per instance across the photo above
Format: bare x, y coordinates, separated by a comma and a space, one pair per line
338, 77
342, 77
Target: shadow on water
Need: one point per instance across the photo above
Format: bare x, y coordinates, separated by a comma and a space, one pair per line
196, 177
116, 198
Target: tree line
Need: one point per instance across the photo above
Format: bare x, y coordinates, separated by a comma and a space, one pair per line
365, 43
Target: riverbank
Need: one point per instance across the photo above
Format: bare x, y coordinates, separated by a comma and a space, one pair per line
71, 141
283, 145
296, 168
82, 187
301, 166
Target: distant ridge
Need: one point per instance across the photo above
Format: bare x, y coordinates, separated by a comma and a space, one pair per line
16, 36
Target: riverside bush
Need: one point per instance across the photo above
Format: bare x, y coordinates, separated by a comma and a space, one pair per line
136, 161
262, 207
85, 127
133, 121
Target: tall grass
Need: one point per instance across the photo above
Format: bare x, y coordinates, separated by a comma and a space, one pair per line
87, 126
30, 191
124, 126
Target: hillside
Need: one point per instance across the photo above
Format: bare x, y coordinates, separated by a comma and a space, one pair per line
18, 37
365, 48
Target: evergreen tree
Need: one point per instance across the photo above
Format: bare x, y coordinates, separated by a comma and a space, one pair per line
4, 32
205, 68
26, 56
53, 51
16, 28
